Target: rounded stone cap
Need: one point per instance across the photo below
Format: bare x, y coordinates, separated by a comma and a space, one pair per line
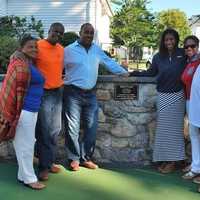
135, 79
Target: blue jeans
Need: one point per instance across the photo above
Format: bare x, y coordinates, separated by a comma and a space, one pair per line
80, 107
48, 127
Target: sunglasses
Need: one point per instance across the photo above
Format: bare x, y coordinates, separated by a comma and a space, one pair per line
190, 46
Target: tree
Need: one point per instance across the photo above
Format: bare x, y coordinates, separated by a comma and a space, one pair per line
7, 46
17, 27
133, 25
173, 18
12, 29
68, 38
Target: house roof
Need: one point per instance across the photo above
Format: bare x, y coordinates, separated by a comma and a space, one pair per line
194, 20
107, 7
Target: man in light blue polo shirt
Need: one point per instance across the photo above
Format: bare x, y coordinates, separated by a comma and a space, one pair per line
82, 59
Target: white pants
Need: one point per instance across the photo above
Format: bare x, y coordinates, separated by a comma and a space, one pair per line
195, 144
24, 142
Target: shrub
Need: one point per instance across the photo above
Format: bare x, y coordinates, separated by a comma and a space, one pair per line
69, 38
12, 29
102, 68
7, 46
17, 27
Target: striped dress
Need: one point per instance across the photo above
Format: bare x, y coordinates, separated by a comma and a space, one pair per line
169, 138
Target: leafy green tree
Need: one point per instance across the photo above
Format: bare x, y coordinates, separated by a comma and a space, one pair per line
173, 18
12, 29
133, 25
17, 27
68, 38
7, 46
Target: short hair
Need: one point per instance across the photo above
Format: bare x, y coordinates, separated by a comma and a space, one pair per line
192, 37
162, 49
84, 25
25, 39
56, 24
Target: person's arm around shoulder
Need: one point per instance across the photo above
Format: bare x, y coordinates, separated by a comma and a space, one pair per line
111, 65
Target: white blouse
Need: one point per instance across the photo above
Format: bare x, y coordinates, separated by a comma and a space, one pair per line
194, 106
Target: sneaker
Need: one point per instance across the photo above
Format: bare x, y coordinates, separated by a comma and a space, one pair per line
189, 175
196, 180
74, 165
89, 165
55, 168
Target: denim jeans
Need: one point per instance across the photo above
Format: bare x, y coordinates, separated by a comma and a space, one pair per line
48, 127
80, 107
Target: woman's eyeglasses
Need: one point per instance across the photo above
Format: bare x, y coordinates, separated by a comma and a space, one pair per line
190, 46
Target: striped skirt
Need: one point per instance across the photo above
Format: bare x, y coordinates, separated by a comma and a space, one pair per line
169, 138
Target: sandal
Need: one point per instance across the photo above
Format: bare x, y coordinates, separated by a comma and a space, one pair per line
35, 185
161, 167
186, 169
196, 180
190, 175
170, 167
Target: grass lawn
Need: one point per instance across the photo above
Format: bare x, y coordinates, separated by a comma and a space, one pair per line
101, 184
136, 66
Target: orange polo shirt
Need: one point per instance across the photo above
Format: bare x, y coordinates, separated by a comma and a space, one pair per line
50, 62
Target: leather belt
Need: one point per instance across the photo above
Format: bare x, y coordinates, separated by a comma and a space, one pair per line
80, 89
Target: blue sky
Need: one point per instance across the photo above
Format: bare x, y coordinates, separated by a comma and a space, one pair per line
190, 7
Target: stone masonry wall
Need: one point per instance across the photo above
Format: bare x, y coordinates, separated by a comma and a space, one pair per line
126, 127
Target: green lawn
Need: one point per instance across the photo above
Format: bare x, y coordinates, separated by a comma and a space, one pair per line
101, 184
136, 66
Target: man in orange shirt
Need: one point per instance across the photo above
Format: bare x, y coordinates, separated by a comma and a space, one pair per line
50, 62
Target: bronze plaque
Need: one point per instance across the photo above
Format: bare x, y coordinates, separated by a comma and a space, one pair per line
126, 91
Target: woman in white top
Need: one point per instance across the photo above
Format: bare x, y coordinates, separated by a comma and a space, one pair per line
194, 120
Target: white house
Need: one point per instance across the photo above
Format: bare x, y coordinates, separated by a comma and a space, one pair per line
3, 7
71, 13
194, 23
